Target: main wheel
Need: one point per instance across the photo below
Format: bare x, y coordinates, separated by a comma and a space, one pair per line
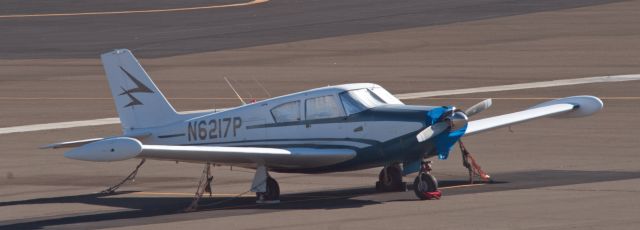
273, 191
424, 185
392, 181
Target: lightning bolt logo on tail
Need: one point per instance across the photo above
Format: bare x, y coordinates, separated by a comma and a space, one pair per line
140, 88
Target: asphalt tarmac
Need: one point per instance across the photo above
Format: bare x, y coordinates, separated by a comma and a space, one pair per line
278, 21
549, 174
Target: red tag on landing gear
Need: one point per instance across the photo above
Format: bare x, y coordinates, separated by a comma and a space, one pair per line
433, 195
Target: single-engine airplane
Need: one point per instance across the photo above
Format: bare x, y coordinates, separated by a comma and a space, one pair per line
329, 129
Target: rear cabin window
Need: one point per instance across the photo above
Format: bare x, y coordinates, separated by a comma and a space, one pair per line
286, 112
323, 107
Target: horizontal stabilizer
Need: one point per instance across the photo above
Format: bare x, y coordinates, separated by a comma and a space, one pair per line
78, 143
70, 144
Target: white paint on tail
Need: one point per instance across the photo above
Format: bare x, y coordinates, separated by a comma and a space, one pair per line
139, 103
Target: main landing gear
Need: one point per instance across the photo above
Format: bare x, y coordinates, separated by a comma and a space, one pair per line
425, 185
266, 188
272, 193
390, 179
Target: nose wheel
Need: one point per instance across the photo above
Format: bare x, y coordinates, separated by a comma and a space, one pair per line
425, 185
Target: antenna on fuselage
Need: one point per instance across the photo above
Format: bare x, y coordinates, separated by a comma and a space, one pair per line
240, 88
234, 90
262, 86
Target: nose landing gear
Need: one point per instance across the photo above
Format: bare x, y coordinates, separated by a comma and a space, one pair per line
425, 185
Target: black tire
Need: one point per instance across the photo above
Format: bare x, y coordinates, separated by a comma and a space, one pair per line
273, 190
393, 182
424, 183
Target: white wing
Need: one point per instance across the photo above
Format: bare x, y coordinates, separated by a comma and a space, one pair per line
270, 157
122, 148
577, 106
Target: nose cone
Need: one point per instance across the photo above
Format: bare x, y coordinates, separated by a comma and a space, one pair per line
457, 121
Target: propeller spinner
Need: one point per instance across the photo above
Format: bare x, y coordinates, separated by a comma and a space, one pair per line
452, 120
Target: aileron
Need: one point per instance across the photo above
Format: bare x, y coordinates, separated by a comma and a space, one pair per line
490, 123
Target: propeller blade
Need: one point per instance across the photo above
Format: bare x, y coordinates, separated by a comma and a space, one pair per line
432, 131
477, 108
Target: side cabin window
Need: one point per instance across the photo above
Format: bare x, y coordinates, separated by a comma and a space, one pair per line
286, 112
323, 107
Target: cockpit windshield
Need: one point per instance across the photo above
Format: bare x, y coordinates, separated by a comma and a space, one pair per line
386, 96
355, 101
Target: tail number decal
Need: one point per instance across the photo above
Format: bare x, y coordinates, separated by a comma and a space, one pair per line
214, 128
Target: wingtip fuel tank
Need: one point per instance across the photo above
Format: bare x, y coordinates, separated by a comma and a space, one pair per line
585, 105
112, 149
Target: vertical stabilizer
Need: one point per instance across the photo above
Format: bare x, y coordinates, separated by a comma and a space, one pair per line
139, 103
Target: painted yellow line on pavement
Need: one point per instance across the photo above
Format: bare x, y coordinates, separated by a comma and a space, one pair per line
191, 194
215, 194
135, 11
281, 202
461, 186
327, 198
252, 194
310, 198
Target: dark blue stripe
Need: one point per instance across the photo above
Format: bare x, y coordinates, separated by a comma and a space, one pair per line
366, 141
173, 135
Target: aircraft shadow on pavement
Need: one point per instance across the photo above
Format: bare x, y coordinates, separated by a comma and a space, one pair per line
148, 210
